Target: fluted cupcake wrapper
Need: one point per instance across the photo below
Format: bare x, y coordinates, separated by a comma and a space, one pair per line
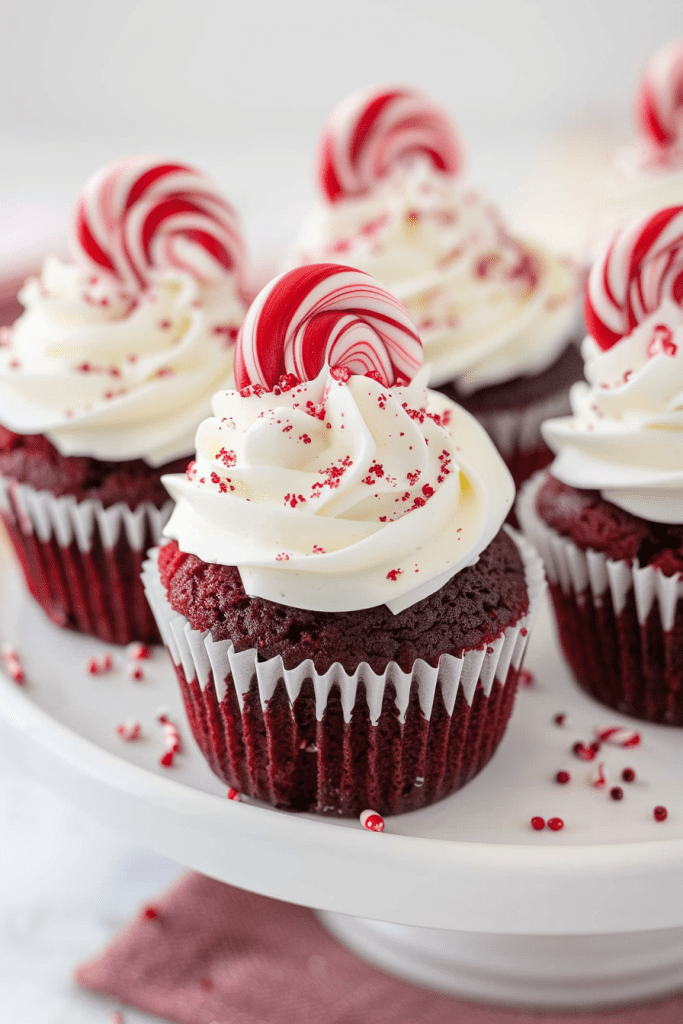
517, 435
82, 562
338, 742
620, 624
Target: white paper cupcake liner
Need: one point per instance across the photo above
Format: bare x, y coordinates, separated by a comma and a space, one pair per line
212, 662
613, 590
213, 666
67, 519
519, 430
82, 561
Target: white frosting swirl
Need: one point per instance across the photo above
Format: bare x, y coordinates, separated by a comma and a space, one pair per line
114, 376
625, 437
340, 494
488, 307
641, 181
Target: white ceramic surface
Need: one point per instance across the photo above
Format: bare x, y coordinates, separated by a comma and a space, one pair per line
470, 863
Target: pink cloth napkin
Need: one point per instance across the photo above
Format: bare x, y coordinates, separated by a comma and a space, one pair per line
207, 953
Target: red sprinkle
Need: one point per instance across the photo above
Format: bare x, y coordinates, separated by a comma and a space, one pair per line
233, 794
562, 777
628, 775
150, 913
136, 673
555, 824
139, 652
660, 813
100, 666
372, 821
583, 752
13, 665
526, 678
560, 719
616, 792
538, 823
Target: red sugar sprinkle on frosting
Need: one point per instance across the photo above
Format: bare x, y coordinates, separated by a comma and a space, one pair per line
150, 913
394, 574
628, 775
233, 794
616, 792
563, 778
555, 824
372, 821
526, 678
560, 719
537, 823
660, 813
135, 673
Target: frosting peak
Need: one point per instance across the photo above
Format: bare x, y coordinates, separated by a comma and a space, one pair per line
488, 306
117, 355
340, 494
625, 437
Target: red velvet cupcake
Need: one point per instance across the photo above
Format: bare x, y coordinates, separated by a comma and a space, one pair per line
608, 519
498, 316
344, 614
103, 380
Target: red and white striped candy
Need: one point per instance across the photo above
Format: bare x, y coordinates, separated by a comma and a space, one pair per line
140, 214
325, 313
368, 132
642, 266
618, 735
660, 97
372, 821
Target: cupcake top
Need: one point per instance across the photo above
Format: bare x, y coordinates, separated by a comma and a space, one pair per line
333, 479
648, 174
489, 307
118, 353
625, 437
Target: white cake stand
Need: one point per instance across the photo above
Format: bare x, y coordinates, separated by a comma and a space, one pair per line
463, 896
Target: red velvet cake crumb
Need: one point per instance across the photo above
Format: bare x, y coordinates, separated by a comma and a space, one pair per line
593, 523
32, 459
469, 611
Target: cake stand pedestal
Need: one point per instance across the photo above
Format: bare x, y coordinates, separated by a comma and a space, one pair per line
463, 896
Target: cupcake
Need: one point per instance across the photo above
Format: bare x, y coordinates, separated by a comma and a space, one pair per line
103, 380
498, 316
647, 175
345, 615
608, 516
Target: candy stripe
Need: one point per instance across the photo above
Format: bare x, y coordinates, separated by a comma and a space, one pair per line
325, 313
660, 97
642, 266
139, 214
367, 133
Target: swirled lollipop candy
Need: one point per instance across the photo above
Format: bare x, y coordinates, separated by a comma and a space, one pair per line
660, 97
642, 266
140, 214
326, 313
367, 133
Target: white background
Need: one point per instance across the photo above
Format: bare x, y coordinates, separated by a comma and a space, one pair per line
241, 90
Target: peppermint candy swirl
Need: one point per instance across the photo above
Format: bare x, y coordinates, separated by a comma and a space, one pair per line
140, 214
326, 313
642, 266
367, 133
660, 97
